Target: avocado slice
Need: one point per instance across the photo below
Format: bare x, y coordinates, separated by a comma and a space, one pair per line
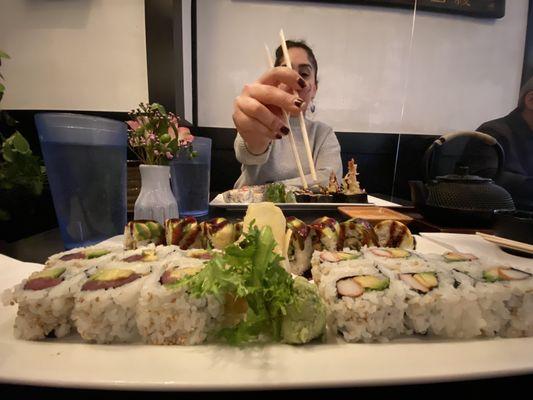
399, 253
111, 274
372, 282
141, 231
451, 256
155, 229
491, 275
51, 273
149, 255
343, 256
179, 273
97, 253
428, 279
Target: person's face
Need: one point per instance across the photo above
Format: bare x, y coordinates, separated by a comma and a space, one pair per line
301, 64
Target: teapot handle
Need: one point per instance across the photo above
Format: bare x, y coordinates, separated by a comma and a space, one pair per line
487, 139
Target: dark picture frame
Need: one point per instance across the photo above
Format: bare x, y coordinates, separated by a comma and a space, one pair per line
471, 8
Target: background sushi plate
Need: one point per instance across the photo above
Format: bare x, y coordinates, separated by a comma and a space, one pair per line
72, 363
218, 201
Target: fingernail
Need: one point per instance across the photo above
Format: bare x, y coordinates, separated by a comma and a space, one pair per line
284, 130
278, 136
299, 102
302, 83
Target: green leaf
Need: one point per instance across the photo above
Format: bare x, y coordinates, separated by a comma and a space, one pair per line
250, 271
8, 153
275, 193
2, 88
20, 143
159, 107
4, 55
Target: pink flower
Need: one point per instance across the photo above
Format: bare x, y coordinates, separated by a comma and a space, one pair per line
169, 155
156, 152
134, 125
184, 135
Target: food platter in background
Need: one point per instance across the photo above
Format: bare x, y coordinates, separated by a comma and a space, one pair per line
219, 202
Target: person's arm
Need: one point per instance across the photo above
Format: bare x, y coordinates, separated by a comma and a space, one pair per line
327, 159
245, 157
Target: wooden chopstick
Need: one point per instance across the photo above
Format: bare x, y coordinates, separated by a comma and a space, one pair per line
301, 114
507, 242
291, 136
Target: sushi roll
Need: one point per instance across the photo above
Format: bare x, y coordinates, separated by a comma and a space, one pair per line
147, 254
325, 234
105, 307
143, 232
168, 314
202, 255
45, 302
184, 232
356, 233
435, 306
517, 284
241, 195
363, 304
219, 233
394, 234
83, 257
323, 262
300, 248
492, 292
394, 258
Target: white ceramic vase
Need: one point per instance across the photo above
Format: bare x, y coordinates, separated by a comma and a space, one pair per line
156, 200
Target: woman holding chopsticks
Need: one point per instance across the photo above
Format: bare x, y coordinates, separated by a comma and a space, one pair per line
262, 144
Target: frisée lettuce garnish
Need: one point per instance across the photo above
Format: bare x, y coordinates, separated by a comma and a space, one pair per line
249, 271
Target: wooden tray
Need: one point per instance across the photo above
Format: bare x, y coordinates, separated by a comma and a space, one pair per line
374, 214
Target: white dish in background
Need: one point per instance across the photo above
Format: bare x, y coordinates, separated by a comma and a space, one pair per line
218, 201
72, 363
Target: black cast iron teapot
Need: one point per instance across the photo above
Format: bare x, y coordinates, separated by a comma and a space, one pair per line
460, 198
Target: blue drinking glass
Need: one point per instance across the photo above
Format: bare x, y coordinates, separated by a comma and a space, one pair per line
190, 179
85, 159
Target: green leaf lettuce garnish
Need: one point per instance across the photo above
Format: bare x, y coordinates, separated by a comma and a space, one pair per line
249, 271
275, 192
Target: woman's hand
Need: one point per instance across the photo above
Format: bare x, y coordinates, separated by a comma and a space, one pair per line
257, 110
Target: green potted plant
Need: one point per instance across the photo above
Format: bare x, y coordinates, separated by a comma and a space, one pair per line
22, 175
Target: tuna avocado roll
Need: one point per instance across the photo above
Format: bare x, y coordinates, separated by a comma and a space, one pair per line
45, 301
168, 314
105, 307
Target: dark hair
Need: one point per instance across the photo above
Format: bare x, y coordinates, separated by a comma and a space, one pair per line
302, 45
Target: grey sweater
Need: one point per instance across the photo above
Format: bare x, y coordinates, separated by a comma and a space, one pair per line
278, 162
